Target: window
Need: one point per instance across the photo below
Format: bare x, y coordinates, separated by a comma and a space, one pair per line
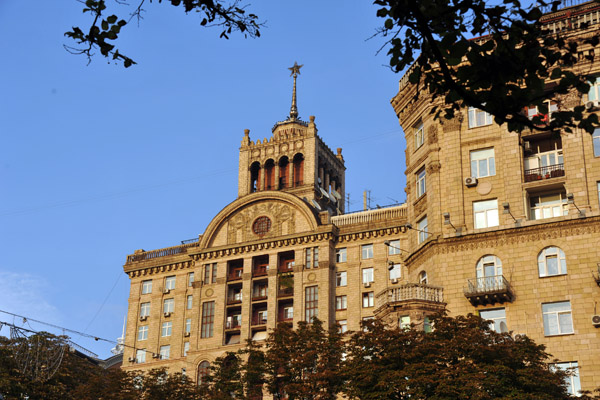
308, 259
548, 206
145, 310
367, 275
316, 257
483, 163
497, 318
191, 279
208, 319
147, 286
288, 312
186, 348
168, 306
557, 318
167, 329
314, 262
368, 299
404, 322
143, 332
340, 255
188, 325
312, 302
534, 111
551, 261
421, 186
485, 213
596, 142
343, 325
572, 381
427, 325
419, 135
341, 302
210, 273
395, 271
422, 227
202, 371
423, 278
594, 93
598, 183
394, 247
366, 251
165, 352
170, 283
478, 118
140, 356
488, 266
341, 279
189, 302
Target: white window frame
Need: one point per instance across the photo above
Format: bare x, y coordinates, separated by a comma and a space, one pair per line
594, 92
147, 286
143, 332
548, 208
596, 142
341, 302
497, 317
478, 118
404, 322
170, 282
186, 348
166, 329
548, 253
572, 381
308, 258
288, 312
421, 182
191, 279
423, 233
368, 299
165, 352
485, 214
189, 302
423, 280
145, 309
341, 255
368, 275
559, 316
395, 271
341, 279
394, 247
168, 305
366, 251
480, 158
140, 356
488, 263
343, 323
188, 325
419, 132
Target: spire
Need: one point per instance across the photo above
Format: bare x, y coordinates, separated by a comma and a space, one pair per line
294, 109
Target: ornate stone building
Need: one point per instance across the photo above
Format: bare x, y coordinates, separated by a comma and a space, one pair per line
495, 223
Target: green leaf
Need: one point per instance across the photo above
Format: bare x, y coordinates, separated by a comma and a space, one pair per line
112, 19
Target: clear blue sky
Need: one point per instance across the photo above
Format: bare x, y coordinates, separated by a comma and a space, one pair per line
97, 161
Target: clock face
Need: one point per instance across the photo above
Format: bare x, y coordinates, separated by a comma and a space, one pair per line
261, 226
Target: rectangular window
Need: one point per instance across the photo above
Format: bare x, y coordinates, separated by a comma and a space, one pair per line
341, 278
404, 322
478, 118
312, 258
340, 255
343, 325
308, 259
186, 348
140, 356
143, 332
191, 279
497, 318
288, 312
423, 230
483, 163
395, 271
167, 328
210, 273
485, 213
189, 302
367, 275
366, 251
596, 142
421, 186
312, 302
147, 286
165, 352
548, 206
557, 318
419, 132
145, 309
427, 325
213, 278
170, 283
394, 247
368, 299
316, 257
594, 93
169, 305
188, 325
208, 319
341, 302
572, 381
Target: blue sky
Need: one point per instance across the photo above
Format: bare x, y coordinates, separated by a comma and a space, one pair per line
97, 161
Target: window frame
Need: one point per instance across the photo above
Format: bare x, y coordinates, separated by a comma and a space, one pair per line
421, 182
341, 302
147, 286
475, 159
423, 279
596, 142
368, 299
189, 302
404, 322
311, 303
397, 268
394, 247
341, 255
145, 309
341, 279
140, 356
168, 305
366, 273
572, 380
343, 325
190, 279
142, 332
366, 251
547, 205
208, 320
187, 325
170, 282
186, 348
548, 314
496, 321
488, 213
166, 329
561, 261
165, 352
423, 232
419, 133
473, 115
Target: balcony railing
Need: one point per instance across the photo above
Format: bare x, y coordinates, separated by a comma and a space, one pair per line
234, 276
167, 251
233, 324
237, 298
285, 292
410, 292
489, 290
260, 271
550, 171
259, 296
259, 320
286, 268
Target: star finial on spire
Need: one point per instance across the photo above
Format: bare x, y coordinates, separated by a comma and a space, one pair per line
295, 69
294, 109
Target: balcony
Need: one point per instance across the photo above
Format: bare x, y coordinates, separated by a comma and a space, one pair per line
288, 267
259, 320
260, 270
489, 290
234, 298
233, 323
548, 172
410, 292
285, 292
259, 296
234, 275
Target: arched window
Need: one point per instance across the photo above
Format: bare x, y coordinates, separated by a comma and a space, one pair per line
423, 278
254, 177
270, 175
202, 371
552, 261
489, 266
284, 174
298, 169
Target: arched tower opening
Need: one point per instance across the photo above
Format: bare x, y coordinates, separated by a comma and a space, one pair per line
269, 175
298, 169
284, 174
255, 177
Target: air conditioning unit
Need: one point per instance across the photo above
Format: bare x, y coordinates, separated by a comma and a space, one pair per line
367, 284
143, 317
470, 181
187, 334
596, 320
154, 355
527, 145
131, 359
167, 314
590, 105
394, 280
167, 291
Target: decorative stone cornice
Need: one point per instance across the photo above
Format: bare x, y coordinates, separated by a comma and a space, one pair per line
371, 234
150, 270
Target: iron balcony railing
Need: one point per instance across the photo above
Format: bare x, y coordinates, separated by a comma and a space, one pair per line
259, 320
235, 323
487, 285
550, 171
167, 251
410, 292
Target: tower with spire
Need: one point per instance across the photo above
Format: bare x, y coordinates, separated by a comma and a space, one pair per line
294, 159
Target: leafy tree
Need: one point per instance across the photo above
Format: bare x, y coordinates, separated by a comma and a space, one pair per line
229, 15
253, 370
224, 380
504, 70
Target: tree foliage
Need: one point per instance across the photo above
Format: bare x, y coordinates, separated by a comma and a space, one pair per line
494, 56
229, 15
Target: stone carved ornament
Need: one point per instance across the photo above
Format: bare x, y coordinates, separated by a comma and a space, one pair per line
239, 227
